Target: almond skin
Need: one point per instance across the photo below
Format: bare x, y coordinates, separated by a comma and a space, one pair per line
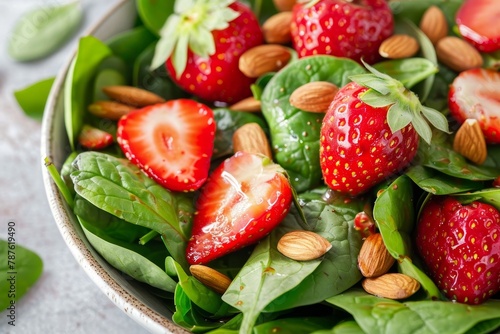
469, 141
109, 109
284, 5
392, 286
303, 245
252, 139
314, 96
210, 277
374, 259
276, 28
457, 54
249, 104
133, 96
399, 46
262, 59
434, 24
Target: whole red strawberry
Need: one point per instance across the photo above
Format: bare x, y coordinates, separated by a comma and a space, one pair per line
353, 29
460, 244
474, 94
371, 132
201, 45
242, 201
171, 142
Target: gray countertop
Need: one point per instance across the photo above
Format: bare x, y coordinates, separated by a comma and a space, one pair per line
64, 300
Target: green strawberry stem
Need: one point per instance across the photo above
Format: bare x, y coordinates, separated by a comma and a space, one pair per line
189, 28
405, 107
148, 237
61, 185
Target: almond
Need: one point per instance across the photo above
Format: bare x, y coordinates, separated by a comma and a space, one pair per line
392, 286
133, 96
252, 139
433, 23
399, 46
314, 96
210, 277
470, 142
276, 28
457, 54
284, 5
262, 59
109, 109
250, 104
374, 259
303, 245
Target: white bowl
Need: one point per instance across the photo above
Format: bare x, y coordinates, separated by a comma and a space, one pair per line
129, 296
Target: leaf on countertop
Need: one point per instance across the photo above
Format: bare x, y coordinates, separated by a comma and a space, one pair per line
32, 99
42, 31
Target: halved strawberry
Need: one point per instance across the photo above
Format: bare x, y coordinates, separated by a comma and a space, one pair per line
242, 201
474, 94
478, 23
171, 142
93, 138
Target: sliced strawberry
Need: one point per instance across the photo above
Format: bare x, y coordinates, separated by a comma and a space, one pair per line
474, 94
242, 201
171, 142
94, 138
478, 23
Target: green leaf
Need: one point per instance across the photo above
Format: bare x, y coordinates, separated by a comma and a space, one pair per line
394, 215
121, 189
409, 71
295, 133
42, 31
78, 85
20, 269
295, 325
379, 315
154, 13
489, 195
32, 99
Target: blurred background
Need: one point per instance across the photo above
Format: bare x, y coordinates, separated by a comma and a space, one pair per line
64, 300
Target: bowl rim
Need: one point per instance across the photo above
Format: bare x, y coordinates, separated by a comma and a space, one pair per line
139, 311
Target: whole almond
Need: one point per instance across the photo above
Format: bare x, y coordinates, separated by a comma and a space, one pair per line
469, 141
433, 23
399, 46
210, 277
109, 109
252, 139
133, 96
262, 59
314, 96
250, 104
276, 29
457, 54
284, 5
374, 259
392, 286
303, 245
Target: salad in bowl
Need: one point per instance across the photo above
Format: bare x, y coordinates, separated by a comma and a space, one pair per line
321, 166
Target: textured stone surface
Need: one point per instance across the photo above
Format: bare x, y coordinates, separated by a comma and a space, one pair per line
64, 300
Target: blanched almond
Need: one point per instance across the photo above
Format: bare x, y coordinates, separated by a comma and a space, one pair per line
470, 142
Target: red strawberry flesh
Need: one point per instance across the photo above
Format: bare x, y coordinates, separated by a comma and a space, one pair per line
460, 245
242, 201
171, 142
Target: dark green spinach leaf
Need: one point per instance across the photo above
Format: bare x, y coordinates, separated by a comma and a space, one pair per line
32, 99
154, 13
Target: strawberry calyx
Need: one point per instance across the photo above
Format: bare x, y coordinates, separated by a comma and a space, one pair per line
405, 106
189, 28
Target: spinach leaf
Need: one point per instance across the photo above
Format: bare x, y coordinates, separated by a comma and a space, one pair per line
78, 84
338, 270
131, 258
121, 189
409, 71
344, 327
228, 122
295, 133
380, 315
111, 71
490, 196
32, 99
267, 275
439, 183
394, 215
202, 296
20, 269
414, 9
441, 157
294, 325
42, 31
154, 13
